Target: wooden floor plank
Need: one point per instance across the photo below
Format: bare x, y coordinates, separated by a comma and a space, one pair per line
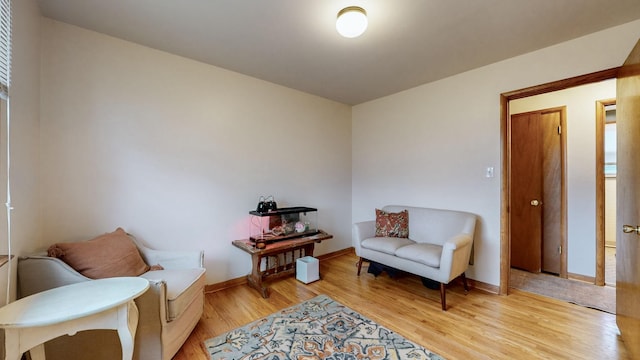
477, 325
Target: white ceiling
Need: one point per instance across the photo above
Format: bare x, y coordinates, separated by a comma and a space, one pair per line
294, 42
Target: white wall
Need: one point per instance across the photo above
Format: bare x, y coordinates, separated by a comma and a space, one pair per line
25, 126
177, 152
429, 146
580, 103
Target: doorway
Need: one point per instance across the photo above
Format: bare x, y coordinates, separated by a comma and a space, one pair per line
581, 204
606, 171
538, 197
506, 98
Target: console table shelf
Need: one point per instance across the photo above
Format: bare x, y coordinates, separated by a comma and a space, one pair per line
280, 258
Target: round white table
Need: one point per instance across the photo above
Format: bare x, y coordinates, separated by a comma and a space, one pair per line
96, 304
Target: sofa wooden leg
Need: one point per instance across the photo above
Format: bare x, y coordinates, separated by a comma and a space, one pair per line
359, 265
443, 296
464, 282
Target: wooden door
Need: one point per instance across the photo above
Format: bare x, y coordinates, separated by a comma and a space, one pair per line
628, 203
537, 217
526, 188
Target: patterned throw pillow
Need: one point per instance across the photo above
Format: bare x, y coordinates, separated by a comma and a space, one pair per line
392, 224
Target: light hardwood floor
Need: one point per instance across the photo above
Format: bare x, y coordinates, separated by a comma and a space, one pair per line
478, 325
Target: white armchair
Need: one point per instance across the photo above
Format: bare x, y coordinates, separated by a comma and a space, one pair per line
169, 310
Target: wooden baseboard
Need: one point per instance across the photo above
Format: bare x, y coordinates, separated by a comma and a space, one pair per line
211, 288
349, 250
479, 285
589, 279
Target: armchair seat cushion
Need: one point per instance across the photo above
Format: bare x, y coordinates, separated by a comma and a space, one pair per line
428, 254
388, 245
183, 286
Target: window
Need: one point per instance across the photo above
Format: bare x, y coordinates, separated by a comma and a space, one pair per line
5, 48
610, 154
5, 80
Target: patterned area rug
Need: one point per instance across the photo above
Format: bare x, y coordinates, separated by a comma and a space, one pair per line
320, 328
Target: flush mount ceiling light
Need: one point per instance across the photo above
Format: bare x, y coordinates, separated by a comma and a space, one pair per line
352, 21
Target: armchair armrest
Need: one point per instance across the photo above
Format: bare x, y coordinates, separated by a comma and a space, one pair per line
457, 242
362, 230
455, 255
39, 273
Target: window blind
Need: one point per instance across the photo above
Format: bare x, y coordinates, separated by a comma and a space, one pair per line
5, 48
5, 81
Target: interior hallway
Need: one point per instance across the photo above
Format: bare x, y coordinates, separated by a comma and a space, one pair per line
574, 291
610, 266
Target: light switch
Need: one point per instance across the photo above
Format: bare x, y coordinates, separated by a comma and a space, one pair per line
489, 173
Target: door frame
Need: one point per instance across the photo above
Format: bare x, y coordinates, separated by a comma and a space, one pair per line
600, 190
505, 141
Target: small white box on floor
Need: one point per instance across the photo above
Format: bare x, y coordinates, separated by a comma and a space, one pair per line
307, 269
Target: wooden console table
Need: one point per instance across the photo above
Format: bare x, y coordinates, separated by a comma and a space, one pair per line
279, 258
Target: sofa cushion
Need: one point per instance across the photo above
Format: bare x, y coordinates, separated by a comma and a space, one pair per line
392, 224
109, 255
427, 254
183, 286
387, 245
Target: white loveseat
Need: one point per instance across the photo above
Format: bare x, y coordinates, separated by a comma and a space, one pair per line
168, 311
438, 246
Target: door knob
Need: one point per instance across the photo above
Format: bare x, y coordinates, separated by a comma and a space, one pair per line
535, 202
628, 229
